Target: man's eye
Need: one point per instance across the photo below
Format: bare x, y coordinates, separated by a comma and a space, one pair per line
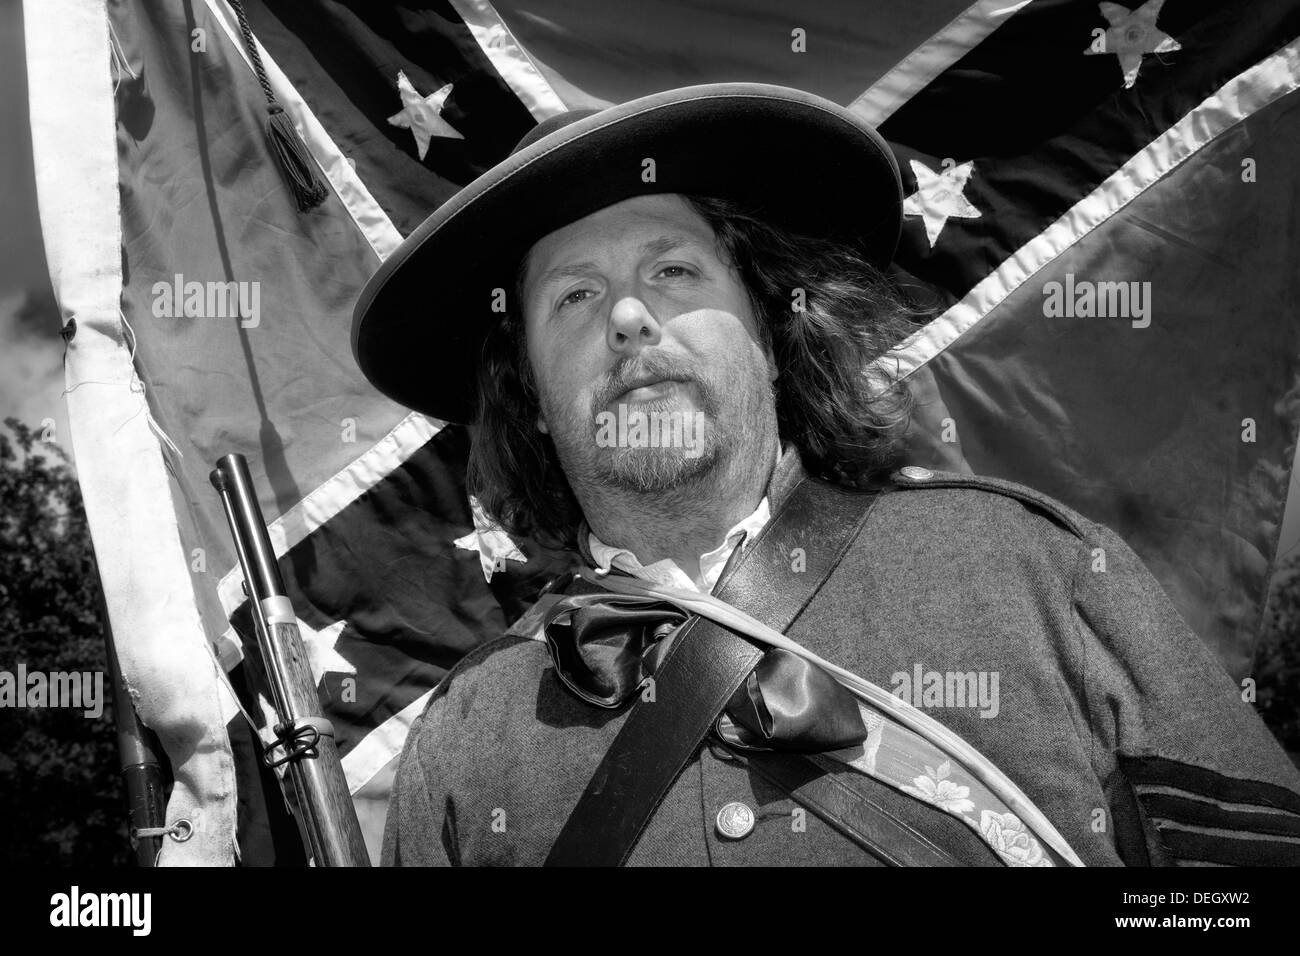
574, 297
676, 271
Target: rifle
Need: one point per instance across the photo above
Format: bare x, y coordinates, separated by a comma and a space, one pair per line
305, 739
139, 753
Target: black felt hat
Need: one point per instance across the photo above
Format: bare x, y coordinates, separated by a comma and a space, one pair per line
802, 161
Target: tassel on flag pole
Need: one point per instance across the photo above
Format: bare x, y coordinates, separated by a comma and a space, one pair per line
286, 145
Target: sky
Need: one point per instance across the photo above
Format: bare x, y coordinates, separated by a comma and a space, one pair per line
31, 367
31, 352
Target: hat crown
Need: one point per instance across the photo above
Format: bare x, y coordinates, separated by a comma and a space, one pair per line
550, 125
804, 163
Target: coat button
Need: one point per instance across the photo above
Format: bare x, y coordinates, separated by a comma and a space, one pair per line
735, 821
915, 472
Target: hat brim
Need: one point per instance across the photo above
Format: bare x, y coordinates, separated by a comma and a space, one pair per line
802, 162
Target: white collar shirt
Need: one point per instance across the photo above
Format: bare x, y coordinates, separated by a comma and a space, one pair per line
666, 571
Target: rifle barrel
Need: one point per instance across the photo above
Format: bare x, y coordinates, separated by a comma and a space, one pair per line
330, 818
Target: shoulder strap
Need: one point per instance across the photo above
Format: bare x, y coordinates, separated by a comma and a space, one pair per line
913, 477
897, 829
701, 671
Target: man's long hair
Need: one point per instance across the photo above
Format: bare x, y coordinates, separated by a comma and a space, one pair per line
825, 312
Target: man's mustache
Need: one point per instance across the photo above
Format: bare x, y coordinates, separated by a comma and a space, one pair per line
630, 371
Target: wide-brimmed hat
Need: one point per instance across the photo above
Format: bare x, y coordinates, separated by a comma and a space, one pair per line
801, 161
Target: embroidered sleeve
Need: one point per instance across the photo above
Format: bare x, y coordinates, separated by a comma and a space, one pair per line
1193, 815
1192, 774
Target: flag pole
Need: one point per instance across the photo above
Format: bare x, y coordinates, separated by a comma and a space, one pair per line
305, 739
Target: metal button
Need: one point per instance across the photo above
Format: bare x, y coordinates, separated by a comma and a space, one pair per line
735, 820
915, 472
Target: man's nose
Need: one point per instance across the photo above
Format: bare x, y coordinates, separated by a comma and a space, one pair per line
631, 327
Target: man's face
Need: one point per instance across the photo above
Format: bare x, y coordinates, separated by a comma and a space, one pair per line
634, 319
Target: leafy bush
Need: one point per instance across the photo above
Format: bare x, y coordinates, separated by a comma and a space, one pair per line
61, 798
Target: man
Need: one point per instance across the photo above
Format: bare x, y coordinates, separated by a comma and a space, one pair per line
670, 309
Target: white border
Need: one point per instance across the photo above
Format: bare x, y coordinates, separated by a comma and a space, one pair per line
376, 749
364, 209
508, 56
124, 480
1239, 98
332, 496
970, 27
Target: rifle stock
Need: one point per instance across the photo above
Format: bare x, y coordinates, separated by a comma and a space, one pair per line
307, 745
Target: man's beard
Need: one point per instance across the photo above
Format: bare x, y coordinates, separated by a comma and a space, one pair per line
651, 469
657, 469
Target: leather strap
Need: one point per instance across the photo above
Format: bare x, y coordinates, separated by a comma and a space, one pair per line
871, 814
704, 667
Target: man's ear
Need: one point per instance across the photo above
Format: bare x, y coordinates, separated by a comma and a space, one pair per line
542, 426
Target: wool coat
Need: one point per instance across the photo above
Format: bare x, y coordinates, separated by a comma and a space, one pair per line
1110, 713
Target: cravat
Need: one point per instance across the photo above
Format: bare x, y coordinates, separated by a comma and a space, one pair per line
606, 647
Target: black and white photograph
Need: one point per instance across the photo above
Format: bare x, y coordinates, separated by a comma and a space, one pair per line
671, 434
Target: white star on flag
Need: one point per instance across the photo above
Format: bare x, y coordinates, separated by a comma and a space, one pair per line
1133, 34
270, 720
422, 115
322, 658
321, 653
493, 545
938, 197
